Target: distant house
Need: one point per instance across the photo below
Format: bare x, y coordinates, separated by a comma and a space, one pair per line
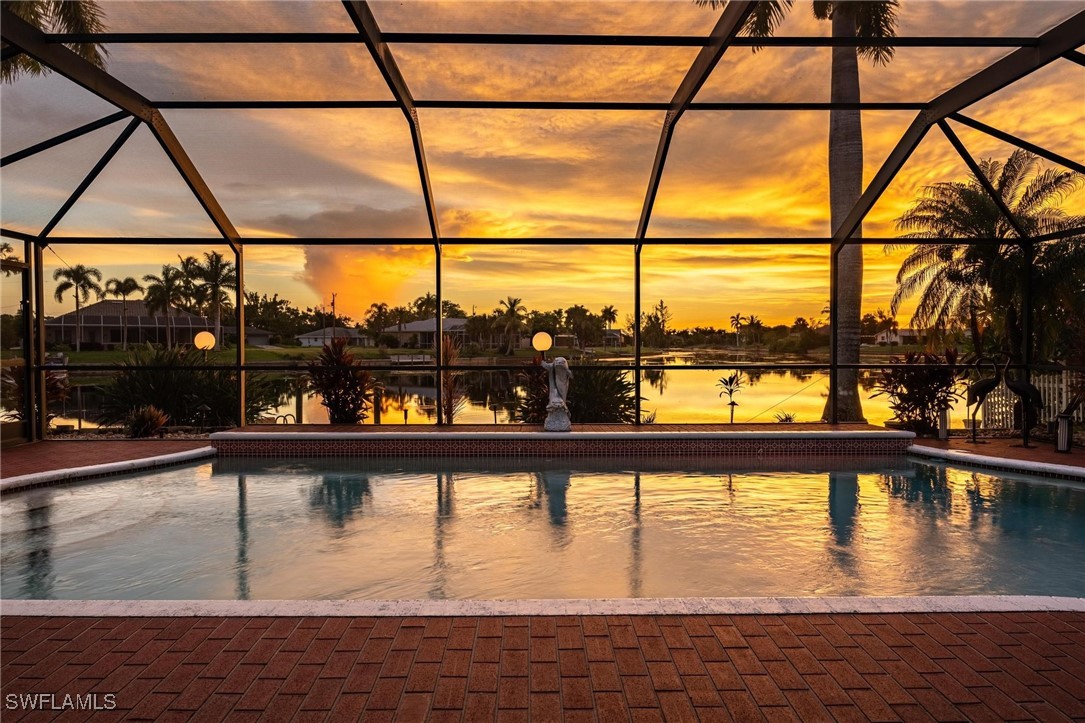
320, 337
899, 337
420, 334
103, 324
615, 337
257, 337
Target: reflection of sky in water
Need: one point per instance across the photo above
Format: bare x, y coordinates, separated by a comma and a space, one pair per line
412, 529
687, 395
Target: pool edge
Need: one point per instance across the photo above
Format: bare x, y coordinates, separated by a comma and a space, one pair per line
1001, 464
109, 469
490, 608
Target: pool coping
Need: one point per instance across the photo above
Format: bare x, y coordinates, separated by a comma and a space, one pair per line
108, 469
490, 608
1003, 464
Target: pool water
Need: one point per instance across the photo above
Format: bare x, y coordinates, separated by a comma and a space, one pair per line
520, 529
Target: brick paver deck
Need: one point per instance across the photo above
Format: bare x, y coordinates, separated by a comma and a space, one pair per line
1012, 449
941, 666
62, 454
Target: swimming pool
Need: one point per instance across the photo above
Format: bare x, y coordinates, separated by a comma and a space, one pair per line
518, 529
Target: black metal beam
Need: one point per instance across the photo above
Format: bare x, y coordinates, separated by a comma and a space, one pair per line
62, 138
1019, 142
726, 30
9, 52
362, 17
18, 32
1076, 56
977, 172
678, 41
1056, 235
98, 167
21, 235
570, 105
1051, 46
521, 241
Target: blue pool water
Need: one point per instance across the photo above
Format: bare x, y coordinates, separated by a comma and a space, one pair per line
514, 529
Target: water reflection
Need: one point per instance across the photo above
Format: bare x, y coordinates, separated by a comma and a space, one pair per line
242, 539
339, 496
473, 528
38, 564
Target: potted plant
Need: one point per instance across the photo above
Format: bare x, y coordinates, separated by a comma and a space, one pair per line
920, 386
344, 387
731, 385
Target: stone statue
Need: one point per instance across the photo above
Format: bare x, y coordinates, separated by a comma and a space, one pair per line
557, 412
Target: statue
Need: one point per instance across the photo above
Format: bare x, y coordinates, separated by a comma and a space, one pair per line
557, 412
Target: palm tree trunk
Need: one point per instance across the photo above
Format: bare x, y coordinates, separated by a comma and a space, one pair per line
78, 321
124, 323
218, 324
845, 188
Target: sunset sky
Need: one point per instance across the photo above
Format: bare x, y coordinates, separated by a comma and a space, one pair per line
513, 174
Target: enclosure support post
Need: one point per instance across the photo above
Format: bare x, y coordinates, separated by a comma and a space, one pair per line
1029, 251
239, 265
439, 339
38, 393
834, 298
636, 331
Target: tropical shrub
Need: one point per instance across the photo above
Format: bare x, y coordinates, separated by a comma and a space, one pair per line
169, 380
13, 391
145, 421
597, 395
344, 387
785, 417
920, 386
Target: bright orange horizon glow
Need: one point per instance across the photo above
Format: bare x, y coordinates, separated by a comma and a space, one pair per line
514, 174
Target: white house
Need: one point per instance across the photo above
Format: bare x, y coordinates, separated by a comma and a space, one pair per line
898, 337
320, 337
420, 334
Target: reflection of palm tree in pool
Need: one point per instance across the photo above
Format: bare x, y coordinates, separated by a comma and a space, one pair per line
843, 509
445, 499
339, 496
39, 575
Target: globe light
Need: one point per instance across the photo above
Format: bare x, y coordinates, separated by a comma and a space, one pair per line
542, 341
205, 340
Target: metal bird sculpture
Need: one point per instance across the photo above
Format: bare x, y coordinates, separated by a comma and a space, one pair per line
979, 389
1031, 401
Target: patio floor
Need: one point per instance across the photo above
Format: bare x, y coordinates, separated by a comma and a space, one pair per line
935, 666
63, 454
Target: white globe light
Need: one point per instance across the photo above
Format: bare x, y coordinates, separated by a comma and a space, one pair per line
542, 341
205, 340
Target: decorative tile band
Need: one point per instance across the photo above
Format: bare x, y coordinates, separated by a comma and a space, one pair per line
481, 608
753, 446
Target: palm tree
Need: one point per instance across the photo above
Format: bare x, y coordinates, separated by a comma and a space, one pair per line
510, 319
756, 325
960, 284
81, 281
163, 293
123, 288
219, 278
609, 315
737, 321
425, 306
56, 16
862, 19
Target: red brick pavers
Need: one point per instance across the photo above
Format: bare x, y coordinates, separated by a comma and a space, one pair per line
62, 454
1007, 448
940, 666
